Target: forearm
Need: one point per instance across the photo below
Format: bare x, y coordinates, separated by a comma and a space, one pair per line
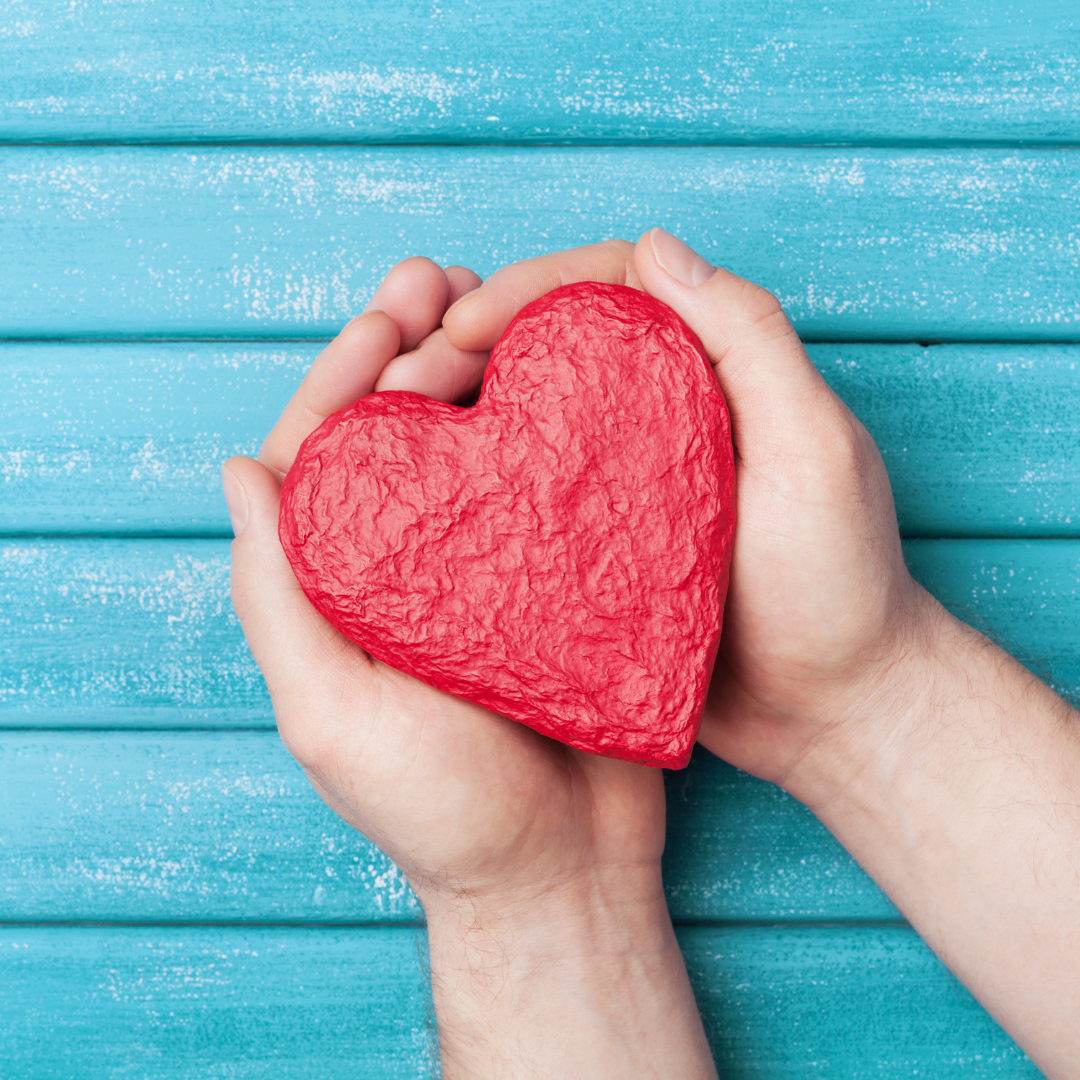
580, 982
963, 804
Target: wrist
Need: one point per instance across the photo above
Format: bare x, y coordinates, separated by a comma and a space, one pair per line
587, 926
921, 738
586, 962
887, 716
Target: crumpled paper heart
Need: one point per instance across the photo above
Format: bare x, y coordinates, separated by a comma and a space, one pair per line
558, 552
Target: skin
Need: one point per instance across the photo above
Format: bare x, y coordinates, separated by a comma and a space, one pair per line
948, 771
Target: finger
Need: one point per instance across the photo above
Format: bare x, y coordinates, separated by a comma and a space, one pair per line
775, 394
462, 281
415, 295
344, 371
477, 321
287, 636
436, 369
404, 310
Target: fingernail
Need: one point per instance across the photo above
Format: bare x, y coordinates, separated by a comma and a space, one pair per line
682, 262
463, 296
235, 500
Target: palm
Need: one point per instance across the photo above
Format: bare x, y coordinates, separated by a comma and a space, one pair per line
475, 793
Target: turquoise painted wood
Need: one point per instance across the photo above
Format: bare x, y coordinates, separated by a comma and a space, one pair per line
527, 70
184, 827
165, 1002
980, 440
1025, 596
844, 1002
130, 438
176, 1003
908, 245
740, 849
141, 633
180, 827
106, 634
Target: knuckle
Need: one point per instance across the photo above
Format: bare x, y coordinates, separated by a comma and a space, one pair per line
852, 458
618, 252
761, 308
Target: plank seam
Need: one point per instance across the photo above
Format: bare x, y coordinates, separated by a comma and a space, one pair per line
694, 924
70, 537
133, 729
529, 144
806, 339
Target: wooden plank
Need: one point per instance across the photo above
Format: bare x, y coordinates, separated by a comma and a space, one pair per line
212, 1002
841, 1002
180, 828
245, 1002
115, 633
741, 849
980, 440
185, 827
129, 634
382, 71
130, 438
859, 244
1026, 596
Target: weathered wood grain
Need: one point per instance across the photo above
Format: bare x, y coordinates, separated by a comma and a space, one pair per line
100, 634
270, 242
190, 827
782, 1003
153, 1002
980, 440
130, 438
384, 71
741, 849
180, 827
118, 633
841, 1002
1025, 596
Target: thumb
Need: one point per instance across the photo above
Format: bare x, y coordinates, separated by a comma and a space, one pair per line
776, 395
286, 635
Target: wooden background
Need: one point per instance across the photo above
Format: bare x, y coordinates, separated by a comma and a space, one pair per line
194, 194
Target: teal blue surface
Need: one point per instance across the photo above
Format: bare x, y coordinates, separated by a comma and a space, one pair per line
859, 244
515, 70
179, 1003
840, 1002
1025, 596
902, 175
979, 440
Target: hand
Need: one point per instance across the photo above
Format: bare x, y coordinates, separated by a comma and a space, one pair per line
538, 865
948, 770
821, 608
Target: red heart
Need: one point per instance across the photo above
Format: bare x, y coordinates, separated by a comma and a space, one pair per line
557, 553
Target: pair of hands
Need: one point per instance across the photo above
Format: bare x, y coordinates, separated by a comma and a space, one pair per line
530, 856
820, 606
